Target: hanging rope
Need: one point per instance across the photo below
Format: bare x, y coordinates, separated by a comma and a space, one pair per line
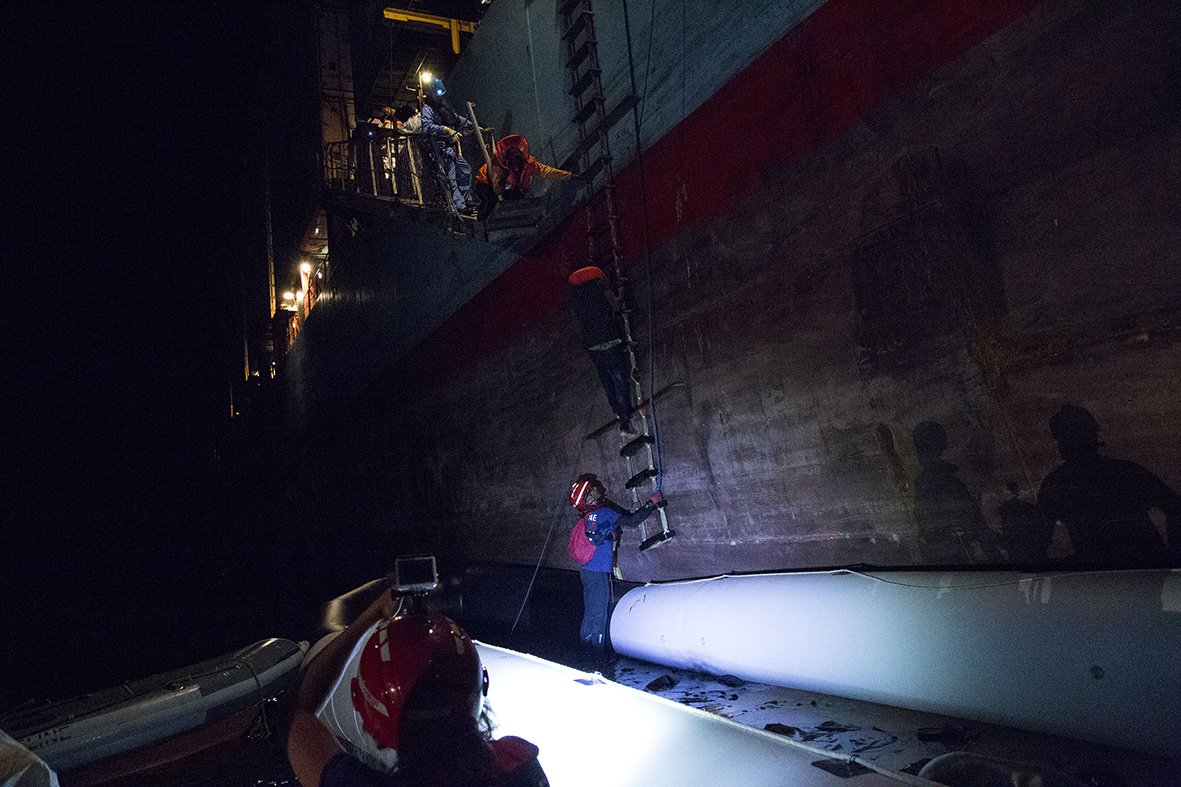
548, 535
636, 109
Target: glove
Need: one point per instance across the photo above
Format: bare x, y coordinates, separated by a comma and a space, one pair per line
657, 499
451, 133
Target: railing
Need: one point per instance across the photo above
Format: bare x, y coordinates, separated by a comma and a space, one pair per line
395, 166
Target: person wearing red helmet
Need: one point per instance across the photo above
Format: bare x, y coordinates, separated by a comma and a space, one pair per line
513, 171
419, 696
513, 168
602, 520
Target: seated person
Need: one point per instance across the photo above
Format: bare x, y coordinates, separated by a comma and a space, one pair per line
418, 695
384, 119
407, 120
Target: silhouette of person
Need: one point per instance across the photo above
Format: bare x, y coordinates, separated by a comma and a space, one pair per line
951, 526
1104, 503
1025, 534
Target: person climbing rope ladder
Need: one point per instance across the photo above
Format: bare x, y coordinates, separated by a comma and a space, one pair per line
597, 313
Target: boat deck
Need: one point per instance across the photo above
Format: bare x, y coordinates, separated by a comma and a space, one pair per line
895, 739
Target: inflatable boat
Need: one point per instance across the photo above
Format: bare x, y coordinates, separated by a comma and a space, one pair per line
155, 719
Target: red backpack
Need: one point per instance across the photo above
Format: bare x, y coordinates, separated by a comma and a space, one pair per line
581, 549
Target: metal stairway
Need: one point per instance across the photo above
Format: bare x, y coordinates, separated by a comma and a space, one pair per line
593, 156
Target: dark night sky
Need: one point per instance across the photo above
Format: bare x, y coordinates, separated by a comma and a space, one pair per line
133, 219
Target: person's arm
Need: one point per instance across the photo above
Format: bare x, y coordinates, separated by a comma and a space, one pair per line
431, 126
412, 125
551, 173
1161, 497
499, 173
311, 745
428, 124
634, 518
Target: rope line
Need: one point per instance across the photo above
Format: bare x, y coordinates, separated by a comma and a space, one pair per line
548, 535
647, 242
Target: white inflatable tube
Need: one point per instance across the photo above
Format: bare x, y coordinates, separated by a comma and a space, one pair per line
1090, 655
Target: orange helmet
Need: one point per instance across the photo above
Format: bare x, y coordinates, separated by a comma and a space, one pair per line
586, 491
512, 142
583, 275
414, 668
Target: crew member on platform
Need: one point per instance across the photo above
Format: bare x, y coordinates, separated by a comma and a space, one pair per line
438, 120
513, 171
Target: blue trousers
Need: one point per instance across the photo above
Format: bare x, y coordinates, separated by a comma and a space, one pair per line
596, 600
459, 174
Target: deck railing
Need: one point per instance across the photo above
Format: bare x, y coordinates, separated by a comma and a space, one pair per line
389, 166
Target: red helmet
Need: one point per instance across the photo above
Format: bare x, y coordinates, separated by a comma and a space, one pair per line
512, 142
417, 667
583, 275
586, 491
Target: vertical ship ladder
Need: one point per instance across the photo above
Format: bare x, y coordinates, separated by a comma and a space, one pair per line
593, 156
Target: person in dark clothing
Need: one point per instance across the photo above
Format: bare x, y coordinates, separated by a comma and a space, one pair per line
598, 321
951, 525
603, 520
419, 692
444, 126
1104, 503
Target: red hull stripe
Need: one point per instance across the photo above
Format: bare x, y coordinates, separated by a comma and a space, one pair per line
829, 72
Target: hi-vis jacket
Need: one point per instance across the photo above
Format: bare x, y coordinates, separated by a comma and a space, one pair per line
504, 180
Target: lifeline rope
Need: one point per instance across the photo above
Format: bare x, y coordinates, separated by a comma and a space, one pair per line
549, 534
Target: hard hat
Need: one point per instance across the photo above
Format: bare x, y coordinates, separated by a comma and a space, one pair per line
586, 491
432, 84
512, 142
583, 275
414, 669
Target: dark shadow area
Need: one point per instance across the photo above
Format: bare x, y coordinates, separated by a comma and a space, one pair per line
1106, 504
951, 526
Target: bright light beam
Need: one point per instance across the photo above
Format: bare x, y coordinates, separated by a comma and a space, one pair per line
591, 731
